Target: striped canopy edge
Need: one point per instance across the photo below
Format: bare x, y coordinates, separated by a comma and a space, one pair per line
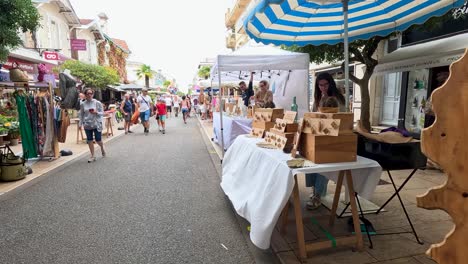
321, 9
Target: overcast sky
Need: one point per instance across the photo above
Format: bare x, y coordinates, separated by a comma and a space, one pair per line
170, 35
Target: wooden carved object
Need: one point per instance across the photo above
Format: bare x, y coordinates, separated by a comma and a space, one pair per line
257, 132
289, 116
321, 127
276, 140
446, 142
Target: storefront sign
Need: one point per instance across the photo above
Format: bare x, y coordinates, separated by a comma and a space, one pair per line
23, 65
51, 55
420, 63
78, 44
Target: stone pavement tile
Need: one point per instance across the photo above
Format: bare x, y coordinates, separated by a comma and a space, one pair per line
394, 247
424, 215
424, 259
340, 228
430, 233
400, 261
278, 243
288, 258
338, 256
291, 236
410, 195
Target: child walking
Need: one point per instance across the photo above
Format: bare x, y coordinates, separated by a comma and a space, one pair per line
161, 112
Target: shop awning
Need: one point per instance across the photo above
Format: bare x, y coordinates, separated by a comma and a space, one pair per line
432, 54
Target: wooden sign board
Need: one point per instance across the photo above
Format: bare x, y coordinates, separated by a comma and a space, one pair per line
268, 114
257, 132
321, 127
290, 117
285, 126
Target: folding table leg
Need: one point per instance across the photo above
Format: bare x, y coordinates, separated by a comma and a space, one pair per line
352, 200
397, 193
299, 222
365, 225
336, 199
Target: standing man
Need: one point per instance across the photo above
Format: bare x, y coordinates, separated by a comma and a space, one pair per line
126, 108
144, 104
246, 93
168, 105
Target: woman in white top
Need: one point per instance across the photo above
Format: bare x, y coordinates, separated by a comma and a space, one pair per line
91, 113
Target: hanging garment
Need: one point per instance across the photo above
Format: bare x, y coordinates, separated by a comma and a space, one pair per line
68, 91
49, 130
27, 137
65, 123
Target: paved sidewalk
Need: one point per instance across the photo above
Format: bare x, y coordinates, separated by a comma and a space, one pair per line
41, 168
432, 226
154, 199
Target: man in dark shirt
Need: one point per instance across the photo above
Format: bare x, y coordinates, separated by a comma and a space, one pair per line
247, 92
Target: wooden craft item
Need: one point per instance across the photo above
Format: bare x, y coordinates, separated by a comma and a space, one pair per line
276, 140
266, 145
346, 120
285, 126
290, 117
257, 132
321, 127
297, 138
446, 143
288, 136
263, 125
328, 149
268, 114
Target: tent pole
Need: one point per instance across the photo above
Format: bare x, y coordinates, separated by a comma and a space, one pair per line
221, 112
346, 53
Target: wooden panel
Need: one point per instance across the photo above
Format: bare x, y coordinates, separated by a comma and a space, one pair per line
288, 136
445, 142
257, 132
328, 149
297, 138
268, 114
284, 126
263, 125
346, 120
277, 140
323, 127
290, 117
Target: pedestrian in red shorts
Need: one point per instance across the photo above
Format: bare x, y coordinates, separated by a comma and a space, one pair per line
161, 112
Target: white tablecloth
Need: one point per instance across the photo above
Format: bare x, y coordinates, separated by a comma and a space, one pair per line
232, 128
259, 183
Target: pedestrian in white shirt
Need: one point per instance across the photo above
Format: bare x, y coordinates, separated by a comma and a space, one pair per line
176, 106
168, 100
144, 103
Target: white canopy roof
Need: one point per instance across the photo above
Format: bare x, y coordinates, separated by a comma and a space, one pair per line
259, 57
431, 54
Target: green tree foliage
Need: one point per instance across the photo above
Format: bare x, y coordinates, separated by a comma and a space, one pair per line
94, 76
15, 15
146, 72
204, 72
166, 83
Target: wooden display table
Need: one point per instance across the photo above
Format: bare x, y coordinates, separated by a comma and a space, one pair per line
79, 131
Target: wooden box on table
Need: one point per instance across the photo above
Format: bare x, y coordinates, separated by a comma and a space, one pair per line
333, 144
263, 125
268, 114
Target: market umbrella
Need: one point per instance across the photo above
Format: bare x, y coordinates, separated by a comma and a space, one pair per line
316, 22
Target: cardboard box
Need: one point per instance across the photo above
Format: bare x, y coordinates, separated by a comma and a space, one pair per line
328, 149
346, 120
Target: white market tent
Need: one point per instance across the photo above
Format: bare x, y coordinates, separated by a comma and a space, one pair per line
287, 73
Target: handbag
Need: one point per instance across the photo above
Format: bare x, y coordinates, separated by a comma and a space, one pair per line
18, 75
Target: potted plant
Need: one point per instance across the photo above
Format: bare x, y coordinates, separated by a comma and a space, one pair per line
14, 132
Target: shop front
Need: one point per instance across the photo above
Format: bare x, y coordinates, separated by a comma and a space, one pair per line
412, 72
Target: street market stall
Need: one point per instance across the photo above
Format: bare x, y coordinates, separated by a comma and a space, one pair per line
233, 126
287, 73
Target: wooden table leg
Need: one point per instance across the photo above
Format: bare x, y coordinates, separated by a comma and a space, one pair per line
284, 219
354, 210
336, 199
299, 222
77, 133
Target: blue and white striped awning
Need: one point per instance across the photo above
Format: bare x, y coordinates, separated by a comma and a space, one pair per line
316, 22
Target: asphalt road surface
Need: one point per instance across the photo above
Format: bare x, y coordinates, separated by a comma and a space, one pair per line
153, 199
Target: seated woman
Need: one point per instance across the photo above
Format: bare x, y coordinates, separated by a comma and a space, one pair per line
326, 94
264, 97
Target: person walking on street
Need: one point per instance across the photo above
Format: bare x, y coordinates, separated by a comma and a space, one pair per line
176, 107
168, 101
161, 112
185, 108
91, 113
126, 108
144, 104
